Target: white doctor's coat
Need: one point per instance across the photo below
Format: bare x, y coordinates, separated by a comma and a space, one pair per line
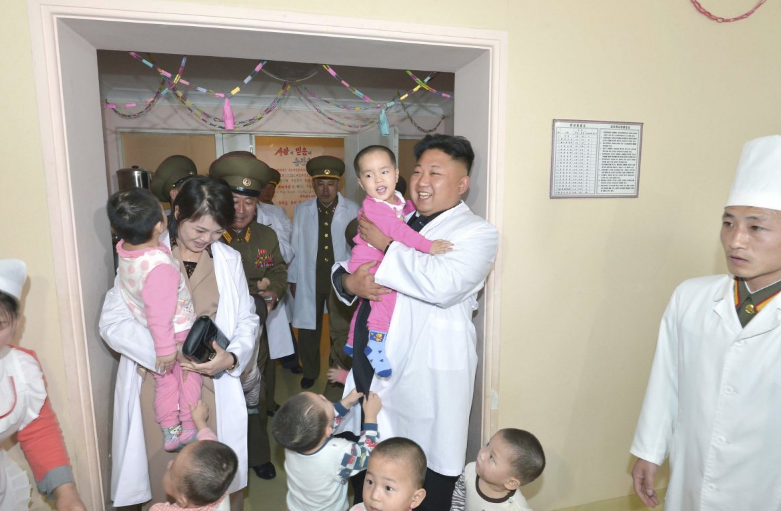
276, 218
431, 341
236, 318
302, 270
713, 402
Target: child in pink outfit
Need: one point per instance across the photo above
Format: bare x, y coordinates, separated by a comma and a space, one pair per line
199, 477
158, 297
386, 208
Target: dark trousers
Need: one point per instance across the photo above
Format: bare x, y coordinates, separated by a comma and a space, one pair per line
258, 447
309, 340
439, 491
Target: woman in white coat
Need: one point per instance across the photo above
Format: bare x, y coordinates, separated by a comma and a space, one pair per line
203, 210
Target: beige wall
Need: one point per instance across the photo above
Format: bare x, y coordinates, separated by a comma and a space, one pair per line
588, 279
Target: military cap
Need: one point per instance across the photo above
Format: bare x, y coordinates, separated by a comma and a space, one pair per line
171, 173
246, 175
276, 178
325, 167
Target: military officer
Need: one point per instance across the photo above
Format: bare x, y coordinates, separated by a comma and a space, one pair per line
318, 241
170, 175
267, 279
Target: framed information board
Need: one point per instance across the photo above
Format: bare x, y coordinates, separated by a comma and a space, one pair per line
595, 159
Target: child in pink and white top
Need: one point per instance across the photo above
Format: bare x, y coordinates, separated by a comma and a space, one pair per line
377, 175
157, 295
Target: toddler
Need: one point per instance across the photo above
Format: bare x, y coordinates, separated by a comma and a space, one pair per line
395, 477
319, 465
511, 459
199, 477
377, 173
157, 295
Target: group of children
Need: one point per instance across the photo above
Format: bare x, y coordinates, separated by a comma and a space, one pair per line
318, 465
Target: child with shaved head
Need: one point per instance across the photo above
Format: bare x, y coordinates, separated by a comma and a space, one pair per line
395, 477
511, 459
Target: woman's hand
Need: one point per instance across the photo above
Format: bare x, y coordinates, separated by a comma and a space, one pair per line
222, 361
68, 499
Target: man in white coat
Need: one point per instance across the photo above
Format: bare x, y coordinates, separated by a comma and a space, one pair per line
318, 241
273, 216
433, 354
713, 403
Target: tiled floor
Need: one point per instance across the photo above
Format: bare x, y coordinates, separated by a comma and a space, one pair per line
270, 495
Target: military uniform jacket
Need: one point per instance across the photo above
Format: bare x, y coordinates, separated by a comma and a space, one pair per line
260, 255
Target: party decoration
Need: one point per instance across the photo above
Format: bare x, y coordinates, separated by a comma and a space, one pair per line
719, 19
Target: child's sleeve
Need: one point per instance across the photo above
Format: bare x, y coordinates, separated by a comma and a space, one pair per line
206, 434
459, 494
161, 294
394, 227
356, 455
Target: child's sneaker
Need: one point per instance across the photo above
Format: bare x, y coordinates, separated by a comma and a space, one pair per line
375, 352
188, 436
171, 441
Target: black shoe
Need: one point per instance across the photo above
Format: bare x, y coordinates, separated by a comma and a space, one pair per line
265, 471
273, 410
307, 383
296, 370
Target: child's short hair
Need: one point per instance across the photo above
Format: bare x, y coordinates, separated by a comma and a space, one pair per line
406, 450
527, 456
212, 467
371, 149
299, 424
9, 307
133, 215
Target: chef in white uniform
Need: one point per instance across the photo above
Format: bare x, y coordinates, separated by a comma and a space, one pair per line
432, 352
713, 403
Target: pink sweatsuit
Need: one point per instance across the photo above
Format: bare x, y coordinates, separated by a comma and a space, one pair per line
156, 293
389, 219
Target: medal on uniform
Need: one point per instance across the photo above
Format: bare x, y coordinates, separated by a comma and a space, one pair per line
750, 309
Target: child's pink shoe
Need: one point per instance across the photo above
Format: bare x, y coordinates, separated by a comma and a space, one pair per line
171, 436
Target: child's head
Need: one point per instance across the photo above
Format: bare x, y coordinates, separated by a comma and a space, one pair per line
13, 273
377, 173
395, 476
136, 216
303, 422
512, 458
200, 474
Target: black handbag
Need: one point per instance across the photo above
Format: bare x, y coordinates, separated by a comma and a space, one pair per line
198, 345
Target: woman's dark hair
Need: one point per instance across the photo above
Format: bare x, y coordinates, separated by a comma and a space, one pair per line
9, 307
202, 196
459, 148
134, 214
299, 424
212, 467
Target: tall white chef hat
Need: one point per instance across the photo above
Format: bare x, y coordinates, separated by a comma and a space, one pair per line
758, 178
13, 272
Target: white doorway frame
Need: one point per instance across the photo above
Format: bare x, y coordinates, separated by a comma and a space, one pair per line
65, 36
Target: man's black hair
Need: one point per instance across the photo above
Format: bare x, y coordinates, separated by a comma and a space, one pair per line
134, 214
212, 467
299, 424
372, 149
458, 148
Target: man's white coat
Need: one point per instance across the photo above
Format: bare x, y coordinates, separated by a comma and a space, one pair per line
236, 318
713, 402
302, 270
431, 341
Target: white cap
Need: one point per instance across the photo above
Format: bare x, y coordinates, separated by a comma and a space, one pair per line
758, 178
13, 273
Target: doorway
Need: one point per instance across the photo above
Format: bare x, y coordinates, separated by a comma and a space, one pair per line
65, 38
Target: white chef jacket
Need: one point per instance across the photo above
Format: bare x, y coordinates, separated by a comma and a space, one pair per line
237, 319
305, 236
431, 341
713, 402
